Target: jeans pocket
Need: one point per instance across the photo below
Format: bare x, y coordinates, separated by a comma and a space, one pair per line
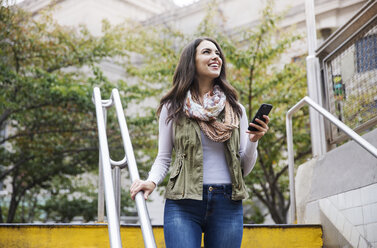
228, 195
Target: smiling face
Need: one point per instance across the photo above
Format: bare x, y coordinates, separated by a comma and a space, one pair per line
207, 61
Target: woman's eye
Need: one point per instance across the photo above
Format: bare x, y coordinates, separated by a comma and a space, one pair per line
206, 51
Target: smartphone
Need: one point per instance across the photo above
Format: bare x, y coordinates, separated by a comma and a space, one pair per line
264, 109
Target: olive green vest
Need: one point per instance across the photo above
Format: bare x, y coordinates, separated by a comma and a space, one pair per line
186, 177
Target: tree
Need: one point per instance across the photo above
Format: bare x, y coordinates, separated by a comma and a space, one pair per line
253, 63
256, 74
48, 128
83, 203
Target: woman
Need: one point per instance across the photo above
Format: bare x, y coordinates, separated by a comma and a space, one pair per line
202, 120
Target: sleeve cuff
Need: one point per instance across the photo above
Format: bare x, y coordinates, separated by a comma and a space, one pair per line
153, 179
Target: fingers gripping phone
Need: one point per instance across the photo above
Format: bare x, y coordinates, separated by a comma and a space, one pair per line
264, 109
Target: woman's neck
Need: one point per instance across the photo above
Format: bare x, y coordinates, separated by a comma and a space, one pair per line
204, 87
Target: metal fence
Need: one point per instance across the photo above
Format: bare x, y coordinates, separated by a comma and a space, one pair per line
350, 81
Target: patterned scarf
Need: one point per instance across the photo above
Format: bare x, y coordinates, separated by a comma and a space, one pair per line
214, 103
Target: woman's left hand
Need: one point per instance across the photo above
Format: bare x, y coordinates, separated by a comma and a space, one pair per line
254, 136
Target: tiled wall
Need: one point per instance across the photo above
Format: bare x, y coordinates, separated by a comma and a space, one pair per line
354, 214
339, 191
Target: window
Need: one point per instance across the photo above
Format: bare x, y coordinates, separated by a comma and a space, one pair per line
366, 53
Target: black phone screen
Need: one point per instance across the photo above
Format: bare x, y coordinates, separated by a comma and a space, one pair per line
264, 109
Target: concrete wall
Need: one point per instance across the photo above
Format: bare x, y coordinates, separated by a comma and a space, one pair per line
339, 191
240, 14
97, 236
91, 12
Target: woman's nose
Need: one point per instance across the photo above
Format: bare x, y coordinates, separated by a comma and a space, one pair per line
215, 56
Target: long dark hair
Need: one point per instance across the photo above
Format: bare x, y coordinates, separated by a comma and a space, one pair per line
184, 79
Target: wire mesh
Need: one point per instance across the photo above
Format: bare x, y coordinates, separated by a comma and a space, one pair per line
351, 81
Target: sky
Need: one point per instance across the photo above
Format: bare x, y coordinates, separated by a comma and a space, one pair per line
177, 2
184, 2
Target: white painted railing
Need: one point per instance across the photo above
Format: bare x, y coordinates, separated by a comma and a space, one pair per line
106, 182
357, 138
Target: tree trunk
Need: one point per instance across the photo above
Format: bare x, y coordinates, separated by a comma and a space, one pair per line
1, 215
250, 97
12, 208
15, 200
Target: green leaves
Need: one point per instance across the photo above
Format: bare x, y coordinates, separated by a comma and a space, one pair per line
48, 127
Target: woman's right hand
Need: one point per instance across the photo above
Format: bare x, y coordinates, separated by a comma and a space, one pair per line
139, 185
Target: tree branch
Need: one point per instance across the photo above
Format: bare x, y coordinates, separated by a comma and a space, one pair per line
280, 173
4, 116
14, 167
46, 132
9, 112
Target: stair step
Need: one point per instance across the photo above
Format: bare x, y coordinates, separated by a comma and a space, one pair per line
96, 235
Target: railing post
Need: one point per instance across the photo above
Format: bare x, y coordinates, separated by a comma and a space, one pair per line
101, 192
112, 216
116, 180
317, 130
291, 170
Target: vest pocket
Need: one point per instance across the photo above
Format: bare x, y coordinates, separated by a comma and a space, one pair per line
177, 169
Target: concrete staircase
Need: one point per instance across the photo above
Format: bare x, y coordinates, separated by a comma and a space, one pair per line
96, 235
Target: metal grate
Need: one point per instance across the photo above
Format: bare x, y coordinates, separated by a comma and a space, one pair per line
351, 82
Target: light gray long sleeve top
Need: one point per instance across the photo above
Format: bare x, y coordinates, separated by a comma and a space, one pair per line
215, 169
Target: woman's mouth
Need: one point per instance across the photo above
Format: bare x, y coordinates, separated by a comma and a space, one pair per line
214, 65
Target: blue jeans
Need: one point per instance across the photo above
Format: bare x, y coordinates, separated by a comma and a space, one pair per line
217, 216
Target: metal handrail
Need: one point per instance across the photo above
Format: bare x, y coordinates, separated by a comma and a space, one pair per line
106, 163
358, 139
112, 213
